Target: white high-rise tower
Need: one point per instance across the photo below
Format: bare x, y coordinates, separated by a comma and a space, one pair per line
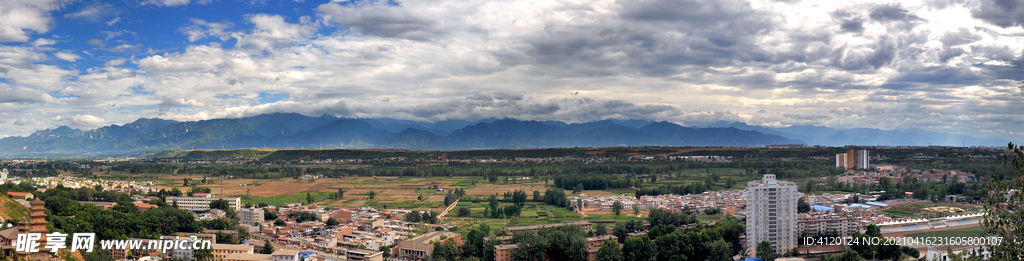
771, 213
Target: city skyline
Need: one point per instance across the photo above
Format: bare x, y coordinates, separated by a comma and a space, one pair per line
949, 67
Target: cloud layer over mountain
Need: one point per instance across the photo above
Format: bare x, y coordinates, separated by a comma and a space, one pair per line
937, 65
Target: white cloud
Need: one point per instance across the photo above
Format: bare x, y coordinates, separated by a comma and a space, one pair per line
43, 42
16, 19
67, 56
165, 2
112, 34
96, 42
92, 13
272, 30
179, 102
26, 122
80, 120
113, 21
200, 29
115, 62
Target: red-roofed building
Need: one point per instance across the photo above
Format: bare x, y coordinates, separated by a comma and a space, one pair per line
21, 195
144, 206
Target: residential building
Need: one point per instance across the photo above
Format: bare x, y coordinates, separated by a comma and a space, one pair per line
828, 226
285, 255
846, 160
504, 252
222, 251
250, 216
247, 257
202, 202
364, 255
771, 213
863, 159
420, 248
21, 195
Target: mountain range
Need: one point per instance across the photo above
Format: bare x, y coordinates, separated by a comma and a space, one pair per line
288, 130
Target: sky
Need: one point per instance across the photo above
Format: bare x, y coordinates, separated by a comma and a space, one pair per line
951, 66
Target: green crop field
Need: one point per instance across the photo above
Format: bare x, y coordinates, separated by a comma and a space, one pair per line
960, 232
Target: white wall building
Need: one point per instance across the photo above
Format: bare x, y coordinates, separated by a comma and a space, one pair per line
863, 159
771, 213
201, 203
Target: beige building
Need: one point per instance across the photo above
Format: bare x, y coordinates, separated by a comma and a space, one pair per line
202, 202
843, 227
421, 247
364, 255
247, 257
285, 255
222, 251
771, 213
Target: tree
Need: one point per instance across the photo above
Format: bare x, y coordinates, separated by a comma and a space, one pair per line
638, 249
609, 251
223, 205
536, 196
101, 255
186, 182
802, 206
849, 255
371, 194
600, 229
331, 222
419, 198
267, 248
279, 223
636, 209
341, 193
885, 182
445, 251
386, 250
1004, 212
617, 208
309, 198
720, 251
202, 254
660, 230
765, 251
242, 234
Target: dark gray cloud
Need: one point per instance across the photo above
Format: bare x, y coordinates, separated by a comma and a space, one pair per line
931, 78
381, 19
653, 38
1003, 13
892, 12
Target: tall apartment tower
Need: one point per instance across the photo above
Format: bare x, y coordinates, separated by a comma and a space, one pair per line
847, 160
771, 213
863, 159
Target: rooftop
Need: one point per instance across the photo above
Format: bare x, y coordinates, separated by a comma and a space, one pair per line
426, 238
232, 247
247, 256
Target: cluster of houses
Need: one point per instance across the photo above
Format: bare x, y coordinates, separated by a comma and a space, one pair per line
729, 201
897, 173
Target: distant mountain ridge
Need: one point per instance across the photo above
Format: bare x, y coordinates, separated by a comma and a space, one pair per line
825, 136
290, 130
